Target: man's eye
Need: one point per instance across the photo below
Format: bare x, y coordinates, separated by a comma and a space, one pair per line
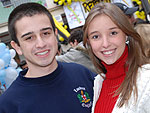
28, 38
46, 33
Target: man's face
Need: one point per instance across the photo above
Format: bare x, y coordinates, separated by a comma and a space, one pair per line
37, 40
131, 19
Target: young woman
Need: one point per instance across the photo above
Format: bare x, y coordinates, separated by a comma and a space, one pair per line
123, 83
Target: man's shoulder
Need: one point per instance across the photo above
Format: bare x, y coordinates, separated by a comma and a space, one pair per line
73, 66
78, 69
10, 92
7, 95
9, 101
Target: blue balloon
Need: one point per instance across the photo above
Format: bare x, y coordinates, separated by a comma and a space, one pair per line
6, 59
18, 70
3, 88
2, 76
2, 53
2, 47
7, 51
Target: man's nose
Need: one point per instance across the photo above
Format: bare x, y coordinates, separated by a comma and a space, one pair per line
40, 43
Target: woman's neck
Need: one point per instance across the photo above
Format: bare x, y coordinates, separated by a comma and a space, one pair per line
118, 68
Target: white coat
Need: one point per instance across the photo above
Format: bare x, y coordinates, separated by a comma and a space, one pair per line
143, 101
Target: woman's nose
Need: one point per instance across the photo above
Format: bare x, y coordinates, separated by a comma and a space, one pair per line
105, 42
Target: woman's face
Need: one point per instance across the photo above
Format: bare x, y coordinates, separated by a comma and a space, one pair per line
106, 39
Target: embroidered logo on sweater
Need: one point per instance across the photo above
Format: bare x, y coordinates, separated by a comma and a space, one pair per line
83, 97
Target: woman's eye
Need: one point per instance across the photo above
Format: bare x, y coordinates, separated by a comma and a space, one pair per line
114, 33
95, 37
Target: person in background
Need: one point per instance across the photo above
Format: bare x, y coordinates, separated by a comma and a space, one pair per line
143, 30
77, 53
128, 11
123, 83
76, 37
47, 86
23, 64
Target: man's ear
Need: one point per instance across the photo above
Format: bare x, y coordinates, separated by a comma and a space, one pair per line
16, 47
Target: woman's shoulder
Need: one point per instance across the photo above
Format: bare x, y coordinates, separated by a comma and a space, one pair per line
143, 80
98, 81
146, 66
99, 77
144, 70
143, 84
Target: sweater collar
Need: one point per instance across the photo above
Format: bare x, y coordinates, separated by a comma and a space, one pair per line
117, 69
40, 80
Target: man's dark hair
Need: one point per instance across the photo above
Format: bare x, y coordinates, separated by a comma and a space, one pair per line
26, 10
76, 34
22, 63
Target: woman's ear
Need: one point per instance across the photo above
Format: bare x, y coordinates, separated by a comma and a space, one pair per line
16, 47
88, 42
126, 37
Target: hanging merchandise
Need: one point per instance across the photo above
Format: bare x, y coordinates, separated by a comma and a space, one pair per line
140, 14
87, 6
64, 34
69, 2
137, 2
144, 9
74, 15
146, 6
6, 3
62, 2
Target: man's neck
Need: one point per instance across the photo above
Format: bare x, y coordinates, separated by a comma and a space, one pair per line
37, 71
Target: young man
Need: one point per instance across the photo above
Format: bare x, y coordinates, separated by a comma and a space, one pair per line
47, 86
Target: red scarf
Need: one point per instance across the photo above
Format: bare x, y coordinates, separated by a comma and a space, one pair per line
114, 77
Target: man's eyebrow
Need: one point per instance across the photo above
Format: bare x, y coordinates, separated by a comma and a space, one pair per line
32, 32
46, 28
26, 34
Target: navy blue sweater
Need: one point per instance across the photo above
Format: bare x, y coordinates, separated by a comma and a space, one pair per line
69, 89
